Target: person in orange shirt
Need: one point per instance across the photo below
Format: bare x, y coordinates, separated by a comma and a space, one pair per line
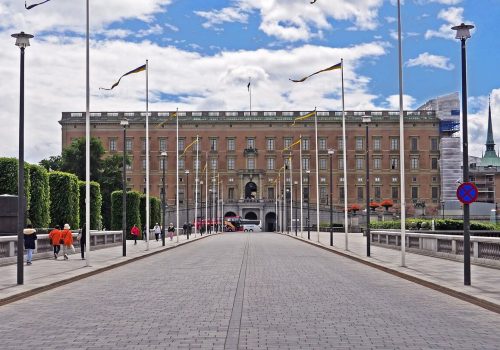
55, 238
67, 238
135, 232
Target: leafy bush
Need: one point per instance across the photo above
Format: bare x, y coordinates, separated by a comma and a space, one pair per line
133, 211
39, 209
8, 178
425, 224
95, 204
154, 211
64, 199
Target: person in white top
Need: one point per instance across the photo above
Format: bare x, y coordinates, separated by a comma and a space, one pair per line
157, 230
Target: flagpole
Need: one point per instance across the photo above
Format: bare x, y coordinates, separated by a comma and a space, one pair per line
283, 203
402, 142
177, 172
206, 193
317, 170
218, 201
301, 189
344, 158
276, 204
87, 143
291, 194
147, 155
250, 91
196, 189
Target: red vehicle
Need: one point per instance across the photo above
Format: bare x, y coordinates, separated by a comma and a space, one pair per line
235, 222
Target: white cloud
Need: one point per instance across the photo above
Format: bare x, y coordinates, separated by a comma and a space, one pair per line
295, 20
61, 16
392, 102
427, 60
452, 16
55, 82
446, 2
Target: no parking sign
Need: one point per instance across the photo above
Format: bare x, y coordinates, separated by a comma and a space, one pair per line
467, 193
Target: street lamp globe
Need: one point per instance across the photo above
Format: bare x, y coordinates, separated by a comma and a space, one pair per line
186, 172
463, 31
367, 119
124, 122
164, 153
22, 39
331, 151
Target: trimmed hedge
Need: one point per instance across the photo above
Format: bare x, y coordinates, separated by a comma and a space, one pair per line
154, 211
8, 178
95, 204
133, 211
426, 224
39, 212
64, 199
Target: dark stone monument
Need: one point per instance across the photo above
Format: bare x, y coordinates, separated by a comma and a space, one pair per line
8, 214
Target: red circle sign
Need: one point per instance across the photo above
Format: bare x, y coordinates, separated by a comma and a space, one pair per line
467, 193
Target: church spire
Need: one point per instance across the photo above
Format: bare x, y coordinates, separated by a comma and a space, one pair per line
490, 142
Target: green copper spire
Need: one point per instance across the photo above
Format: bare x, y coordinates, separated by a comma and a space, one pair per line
490, 142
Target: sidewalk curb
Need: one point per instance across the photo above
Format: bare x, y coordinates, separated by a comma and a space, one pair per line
38, 290
485, 304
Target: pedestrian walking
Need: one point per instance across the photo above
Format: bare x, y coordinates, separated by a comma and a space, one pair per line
82, 238
55, 239
29, 242
171, 230
157, 230
185, 228
67, 241
135, 232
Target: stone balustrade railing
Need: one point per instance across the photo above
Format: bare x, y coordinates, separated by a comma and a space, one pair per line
484, 250
98, 239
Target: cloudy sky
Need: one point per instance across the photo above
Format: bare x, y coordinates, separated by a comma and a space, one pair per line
201, 53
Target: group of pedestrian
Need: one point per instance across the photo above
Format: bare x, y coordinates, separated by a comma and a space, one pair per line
135, 232
62, 238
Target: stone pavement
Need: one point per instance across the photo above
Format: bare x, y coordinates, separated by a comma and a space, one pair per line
47, 272
246, 291
485, 281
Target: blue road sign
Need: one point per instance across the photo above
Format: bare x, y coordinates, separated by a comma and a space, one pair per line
467, 193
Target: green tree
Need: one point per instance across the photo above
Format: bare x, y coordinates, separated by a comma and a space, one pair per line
73, 158
8, 178
52, 163
133, 211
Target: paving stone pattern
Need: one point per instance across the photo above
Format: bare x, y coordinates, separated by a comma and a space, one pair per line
275, 292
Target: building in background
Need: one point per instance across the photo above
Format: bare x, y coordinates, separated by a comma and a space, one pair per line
244, 150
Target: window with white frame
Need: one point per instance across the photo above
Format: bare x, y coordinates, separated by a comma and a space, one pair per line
163, 144
305, 144
250, 143
143, 142
230, 163
322, 144
231, 144
213, 144
414, 163
341, 164
182, 143
287, 141
340, 144
144, 164
163, 162
213, 163
359, 143
394, 163
250, 163
359, 163
305, 163
112, 144
128, 145
377, 163
322, 163
181, 163
270, 144
271, 163
377, 144
394, 143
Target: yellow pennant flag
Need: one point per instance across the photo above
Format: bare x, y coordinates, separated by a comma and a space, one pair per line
334, 67
306, 116
293, 144
188, 147
173, 115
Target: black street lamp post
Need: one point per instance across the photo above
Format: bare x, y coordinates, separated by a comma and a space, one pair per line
367, 120
124, 123
164, 198
22, 41
330, 153
187, 204
286, 209
463, 33
308, 204
296, 183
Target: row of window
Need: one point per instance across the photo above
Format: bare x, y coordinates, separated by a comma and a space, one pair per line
287, 142
323, 163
